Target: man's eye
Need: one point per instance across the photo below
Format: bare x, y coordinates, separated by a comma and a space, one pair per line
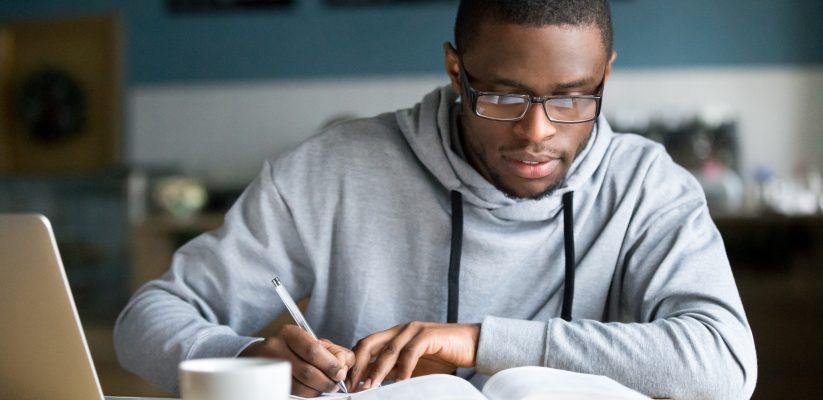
509, 100
563, 103
500, 99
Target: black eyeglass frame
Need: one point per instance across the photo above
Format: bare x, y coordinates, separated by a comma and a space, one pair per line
473, 95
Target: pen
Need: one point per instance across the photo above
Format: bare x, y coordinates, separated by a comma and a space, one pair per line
298, 316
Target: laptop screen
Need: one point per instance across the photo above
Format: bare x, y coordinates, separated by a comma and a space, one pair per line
42, 346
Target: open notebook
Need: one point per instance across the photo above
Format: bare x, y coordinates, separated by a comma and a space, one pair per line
523, 383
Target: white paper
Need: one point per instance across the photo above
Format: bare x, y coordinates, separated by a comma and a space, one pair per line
532, 383
429, 387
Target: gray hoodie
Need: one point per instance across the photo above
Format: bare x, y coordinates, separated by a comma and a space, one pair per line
359, 219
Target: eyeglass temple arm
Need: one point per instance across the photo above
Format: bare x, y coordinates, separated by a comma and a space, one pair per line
464, 83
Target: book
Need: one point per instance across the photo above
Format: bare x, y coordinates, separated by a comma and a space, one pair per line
520, 383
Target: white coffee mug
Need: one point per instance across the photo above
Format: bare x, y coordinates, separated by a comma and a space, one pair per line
235, 379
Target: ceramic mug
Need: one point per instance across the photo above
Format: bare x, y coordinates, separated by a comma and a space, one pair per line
235, 378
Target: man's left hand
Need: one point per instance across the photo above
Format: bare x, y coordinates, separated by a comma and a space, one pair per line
415, 348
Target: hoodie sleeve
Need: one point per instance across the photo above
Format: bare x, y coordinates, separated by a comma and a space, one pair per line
680, 331
217, 292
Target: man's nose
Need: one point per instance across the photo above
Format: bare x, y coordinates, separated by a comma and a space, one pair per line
535, 125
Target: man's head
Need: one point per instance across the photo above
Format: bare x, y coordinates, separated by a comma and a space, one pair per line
472, 14
535, 48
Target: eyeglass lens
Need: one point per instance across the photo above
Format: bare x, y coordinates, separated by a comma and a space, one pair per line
566, 109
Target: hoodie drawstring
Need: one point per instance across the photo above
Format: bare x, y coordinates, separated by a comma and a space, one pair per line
568, 243
457, 250
454, 257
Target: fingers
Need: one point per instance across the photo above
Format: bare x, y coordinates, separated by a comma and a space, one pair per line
398, 352
403, 345
299, 389
409, 357
365, 350
313, 365
345, 358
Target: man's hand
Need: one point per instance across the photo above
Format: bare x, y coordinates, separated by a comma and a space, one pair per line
416, 348
316, 366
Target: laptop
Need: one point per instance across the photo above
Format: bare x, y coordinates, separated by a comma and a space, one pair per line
43, 351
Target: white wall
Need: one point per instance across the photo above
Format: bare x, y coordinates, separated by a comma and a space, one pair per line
222, 132
779, 110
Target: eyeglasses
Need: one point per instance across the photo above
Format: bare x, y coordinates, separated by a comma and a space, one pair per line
513, 107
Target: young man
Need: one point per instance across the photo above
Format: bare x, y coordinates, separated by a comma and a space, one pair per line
498, 223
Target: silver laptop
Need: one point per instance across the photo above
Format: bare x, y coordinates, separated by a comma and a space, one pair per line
43, 352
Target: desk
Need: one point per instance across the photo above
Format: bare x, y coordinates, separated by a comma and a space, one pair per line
139, 398
778, 265
772, 242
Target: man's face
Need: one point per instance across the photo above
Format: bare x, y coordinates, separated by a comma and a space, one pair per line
530, 157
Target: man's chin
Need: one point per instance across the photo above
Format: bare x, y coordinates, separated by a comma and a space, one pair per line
530, 192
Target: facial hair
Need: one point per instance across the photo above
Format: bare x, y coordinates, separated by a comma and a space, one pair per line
479, 154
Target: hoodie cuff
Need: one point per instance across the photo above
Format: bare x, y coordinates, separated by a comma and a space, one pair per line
507, 343
220, 346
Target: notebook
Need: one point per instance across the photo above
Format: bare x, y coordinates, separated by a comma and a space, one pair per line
520, 383
43, 351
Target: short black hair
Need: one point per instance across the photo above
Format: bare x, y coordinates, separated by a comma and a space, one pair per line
472, 13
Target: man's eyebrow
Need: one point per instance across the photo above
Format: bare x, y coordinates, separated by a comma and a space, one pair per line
577, 83
496, 80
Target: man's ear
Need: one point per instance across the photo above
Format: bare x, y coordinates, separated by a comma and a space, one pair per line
609, 67
452, 64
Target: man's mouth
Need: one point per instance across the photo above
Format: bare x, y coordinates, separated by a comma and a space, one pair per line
531, 167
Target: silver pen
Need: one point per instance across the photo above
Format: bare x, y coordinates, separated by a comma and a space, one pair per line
298, 316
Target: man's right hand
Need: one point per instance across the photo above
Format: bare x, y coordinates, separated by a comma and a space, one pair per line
315, 366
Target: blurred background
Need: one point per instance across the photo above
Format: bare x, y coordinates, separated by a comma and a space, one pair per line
134, 125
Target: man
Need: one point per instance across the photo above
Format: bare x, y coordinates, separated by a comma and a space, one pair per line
510, 227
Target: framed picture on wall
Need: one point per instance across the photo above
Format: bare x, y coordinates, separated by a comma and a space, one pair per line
61, 95
5, 67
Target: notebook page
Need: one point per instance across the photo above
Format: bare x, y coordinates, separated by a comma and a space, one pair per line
429, 387
540, 383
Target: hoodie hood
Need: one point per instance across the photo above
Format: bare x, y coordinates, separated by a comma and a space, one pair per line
429, 128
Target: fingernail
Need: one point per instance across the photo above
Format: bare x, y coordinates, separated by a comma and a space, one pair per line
341, 374
367, 384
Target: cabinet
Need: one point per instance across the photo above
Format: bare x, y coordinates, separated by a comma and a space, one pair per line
155, 239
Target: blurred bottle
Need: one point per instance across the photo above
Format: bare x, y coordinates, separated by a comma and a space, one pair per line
798, 195
812, 184
764, 178
723, 187
137, 185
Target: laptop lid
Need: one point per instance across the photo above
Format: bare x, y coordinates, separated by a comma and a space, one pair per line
43, 351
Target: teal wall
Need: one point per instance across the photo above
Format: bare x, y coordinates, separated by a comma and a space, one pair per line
312, 38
